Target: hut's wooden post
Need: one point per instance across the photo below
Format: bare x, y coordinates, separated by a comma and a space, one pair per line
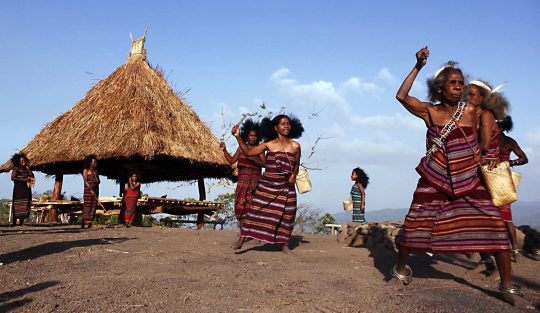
57, 192
122, 193
202, 197
122, 183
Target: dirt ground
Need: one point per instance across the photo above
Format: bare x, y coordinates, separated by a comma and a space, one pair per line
66, 269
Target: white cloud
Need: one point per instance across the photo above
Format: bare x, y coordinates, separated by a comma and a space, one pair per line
397, 121
336, 99
384, 74
355, 84
279, 74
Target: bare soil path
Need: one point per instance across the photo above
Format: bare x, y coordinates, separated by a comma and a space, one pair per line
66, 269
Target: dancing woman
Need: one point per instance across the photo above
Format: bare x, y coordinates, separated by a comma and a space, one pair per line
91, 190
249, 171
491, 106
450, 198
273, 212
508, 145
23, 179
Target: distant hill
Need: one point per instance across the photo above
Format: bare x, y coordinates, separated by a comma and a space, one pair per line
523, 213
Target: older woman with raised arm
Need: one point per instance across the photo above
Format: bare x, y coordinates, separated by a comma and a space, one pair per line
249, 171
272, 215
451, 211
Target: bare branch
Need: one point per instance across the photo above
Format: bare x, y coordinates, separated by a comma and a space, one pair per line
313, 114
312, 152
221, 182
184, 184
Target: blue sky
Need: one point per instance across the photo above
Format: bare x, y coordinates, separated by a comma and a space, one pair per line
347, 57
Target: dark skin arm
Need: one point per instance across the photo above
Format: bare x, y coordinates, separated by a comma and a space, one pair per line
257, 150
514, 147
487, 122
292, 177
230, 159
260, 160
21, 179
412, 104
133, 184
363, 207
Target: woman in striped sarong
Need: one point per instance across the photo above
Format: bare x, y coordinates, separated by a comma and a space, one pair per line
23, 179
451, 211
508, 145
133, 190
91, 190
491, 106
249, 171
358, 195
273, 212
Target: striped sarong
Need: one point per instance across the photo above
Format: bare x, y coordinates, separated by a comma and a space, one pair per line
130, 205
249, 175
90, 201
273, 211
440, 222
358, 214
506, 210
22, 197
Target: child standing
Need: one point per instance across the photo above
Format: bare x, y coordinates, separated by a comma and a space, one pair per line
358, 194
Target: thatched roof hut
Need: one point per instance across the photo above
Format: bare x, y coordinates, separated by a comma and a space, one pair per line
132, 118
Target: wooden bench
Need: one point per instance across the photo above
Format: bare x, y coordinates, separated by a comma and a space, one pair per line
169, 222
335, 228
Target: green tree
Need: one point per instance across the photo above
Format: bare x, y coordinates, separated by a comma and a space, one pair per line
323, 220
4, 209
307, 217
228, 210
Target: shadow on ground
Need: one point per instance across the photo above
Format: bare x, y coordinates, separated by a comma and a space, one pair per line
54, 247
6, 297
294, 242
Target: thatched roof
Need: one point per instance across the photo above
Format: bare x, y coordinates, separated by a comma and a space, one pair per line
132, 118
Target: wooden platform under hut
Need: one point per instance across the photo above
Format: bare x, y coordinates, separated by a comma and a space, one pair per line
145, 205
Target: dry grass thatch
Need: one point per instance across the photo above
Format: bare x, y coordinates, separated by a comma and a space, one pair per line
132, 118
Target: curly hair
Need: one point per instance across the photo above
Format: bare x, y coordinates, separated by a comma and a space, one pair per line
16, 157
495, 102
268, 131
88, 159
435, 83
362, 178
136, 172
506, 124
247, 127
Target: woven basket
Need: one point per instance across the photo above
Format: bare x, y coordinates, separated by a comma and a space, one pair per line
347, 205
499, 184
303, 184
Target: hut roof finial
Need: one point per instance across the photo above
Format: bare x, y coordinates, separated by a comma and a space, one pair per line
137, 46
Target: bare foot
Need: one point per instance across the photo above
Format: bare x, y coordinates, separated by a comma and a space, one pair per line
517, 301
237, 245
481, 267
495, 276
395, 283
286, 249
